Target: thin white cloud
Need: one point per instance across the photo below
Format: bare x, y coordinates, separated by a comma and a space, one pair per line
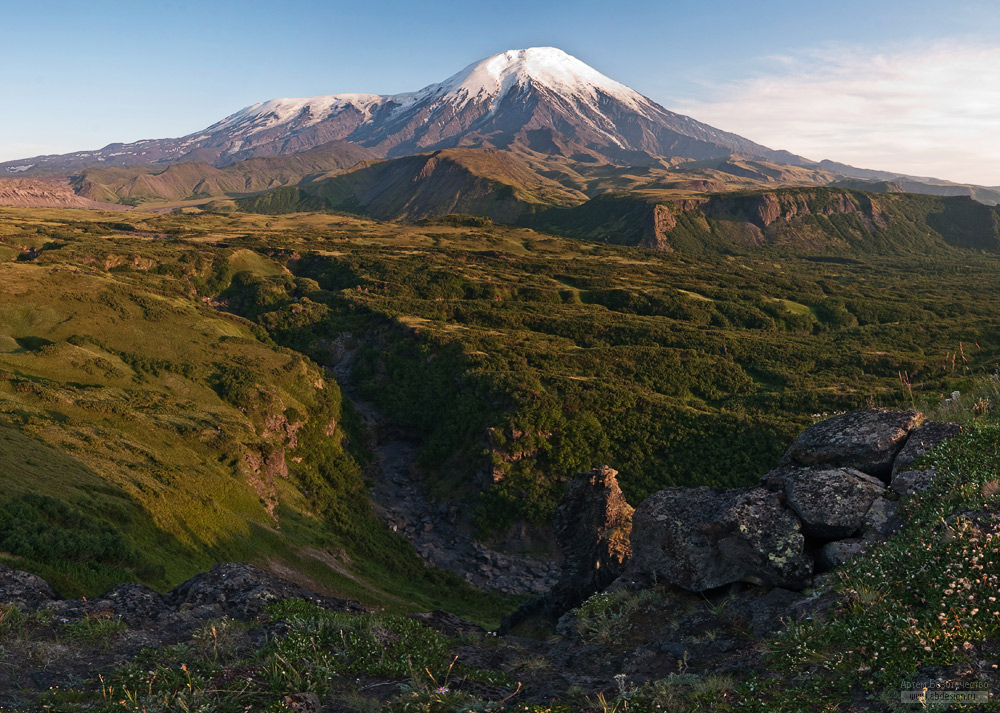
930, 111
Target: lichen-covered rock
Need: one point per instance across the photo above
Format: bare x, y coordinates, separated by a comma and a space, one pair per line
133, 603
777, 478
241, 591
923, 438
701, 538
28, 591
909, 482
882, 520
867, 440
834, 554
764, 610
832, 503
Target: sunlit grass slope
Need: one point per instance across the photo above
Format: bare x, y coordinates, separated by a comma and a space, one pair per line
144, 434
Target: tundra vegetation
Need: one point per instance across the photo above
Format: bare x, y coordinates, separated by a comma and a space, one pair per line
164, 404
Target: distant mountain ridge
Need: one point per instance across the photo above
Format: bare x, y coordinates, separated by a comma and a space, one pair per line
192, 180
538, 100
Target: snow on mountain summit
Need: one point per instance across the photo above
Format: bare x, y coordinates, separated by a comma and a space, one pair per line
487, 80
310, 110
549, 67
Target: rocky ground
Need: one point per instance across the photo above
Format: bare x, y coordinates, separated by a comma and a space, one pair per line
699, 600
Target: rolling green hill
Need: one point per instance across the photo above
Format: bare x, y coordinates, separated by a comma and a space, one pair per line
145, 435
489, 183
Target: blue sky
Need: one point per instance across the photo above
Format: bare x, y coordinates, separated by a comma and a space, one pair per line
909, 86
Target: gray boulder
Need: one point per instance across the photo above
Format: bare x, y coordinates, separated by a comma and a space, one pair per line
833, 554
242, 591
866, 440
832, 503
28, 591
924, 438
882, 520
764, 610
909, 482
701, 538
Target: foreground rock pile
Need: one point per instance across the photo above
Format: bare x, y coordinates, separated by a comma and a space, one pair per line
825, 502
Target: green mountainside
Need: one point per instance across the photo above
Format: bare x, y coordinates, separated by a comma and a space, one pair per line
495, 184
145, 435
169, 399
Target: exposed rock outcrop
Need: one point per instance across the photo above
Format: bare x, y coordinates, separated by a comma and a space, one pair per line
834, 554
909, 482
923, 438
702, 538
763, 209
28, 591
829, 487
831, 503
593, 524
241, 591
866, 440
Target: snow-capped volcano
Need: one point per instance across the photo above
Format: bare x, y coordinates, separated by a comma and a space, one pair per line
536, 101
494, 77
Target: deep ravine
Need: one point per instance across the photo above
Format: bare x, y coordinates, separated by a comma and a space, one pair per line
401, 500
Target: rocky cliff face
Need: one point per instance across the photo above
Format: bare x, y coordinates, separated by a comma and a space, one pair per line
764, 209
593, 526
758, 219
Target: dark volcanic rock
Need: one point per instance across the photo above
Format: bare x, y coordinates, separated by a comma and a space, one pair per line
923, 439
764, 611
909, 482
29, 591
882, 520
593, 525
867, 440
701, 538
134, 603
831, 503
833, 554
240, 590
